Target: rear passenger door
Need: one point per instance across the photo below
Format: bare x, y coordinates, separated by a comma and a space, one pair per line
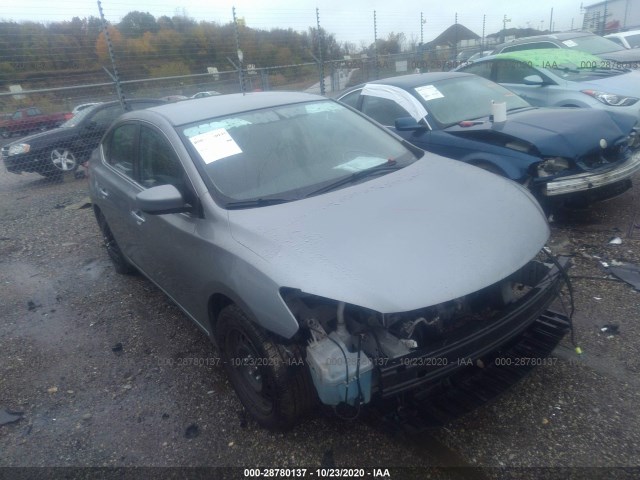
116, 186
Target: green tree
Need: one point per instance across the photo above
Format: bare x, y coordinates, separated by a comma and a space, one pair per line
135, 24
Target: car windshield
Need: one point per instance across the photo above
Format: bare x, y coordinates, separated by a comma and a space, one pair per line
287, 152
454, 100
592, 44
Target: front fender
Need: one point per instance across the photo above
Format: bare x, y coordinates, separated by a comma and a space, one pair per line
260, 299
516, 168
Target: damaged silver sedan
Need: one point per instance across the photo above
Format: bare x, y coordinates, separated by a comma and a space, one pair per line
329, 261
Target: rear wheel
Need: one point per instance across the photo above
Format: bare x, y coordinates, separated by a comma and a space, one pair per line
270, 379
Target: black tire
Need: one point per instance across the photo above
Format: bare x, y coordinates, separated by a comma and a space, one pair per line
120, 263
270, 380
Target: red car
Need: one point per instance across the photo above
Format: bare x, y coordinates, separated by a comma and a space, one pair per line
31, 119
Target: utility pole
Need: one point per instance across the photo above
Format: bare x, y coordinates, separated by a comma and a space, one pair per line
240, 54
484, 24
320, 42
455, 45
505, 20
422, 22
116, 76
551, 21
375, 43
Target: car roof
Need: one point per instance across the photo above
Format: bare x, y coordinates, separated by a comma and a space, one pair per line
545, 57
198, 109
623, 34
560, 37
417, 79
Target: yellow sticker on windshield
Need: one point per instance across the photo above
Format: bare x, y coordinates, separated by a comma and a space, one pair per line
215, 145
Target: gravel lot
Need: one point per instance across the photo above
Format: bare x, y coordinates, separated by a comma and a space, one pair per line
100, 370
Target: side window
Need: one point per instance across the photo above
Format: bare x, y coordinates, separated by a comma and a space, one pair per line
383, 110
159, 164
351, 99
482, 69
513, 72
119, 148
32, 112
106, 116
617, 40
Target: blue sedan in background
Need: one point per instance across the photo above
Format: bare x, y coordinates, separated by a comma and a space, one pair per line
563, 155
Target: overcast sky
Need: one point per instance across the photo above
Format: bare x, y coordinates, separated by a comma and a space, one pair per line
348, 20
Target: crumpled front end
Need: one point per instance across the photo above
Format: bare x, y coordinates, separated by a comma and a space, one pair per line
356, 355
601, 173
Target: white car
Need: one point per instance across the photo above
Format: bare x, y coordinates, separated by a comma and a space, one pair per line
210, 93
83, 106
630, 39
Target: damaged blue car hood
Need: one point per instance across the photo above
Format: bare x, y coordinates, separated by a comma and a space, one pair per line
567, 132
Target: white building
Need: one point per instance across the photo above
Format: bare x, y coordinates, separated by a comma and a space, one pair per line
620, 15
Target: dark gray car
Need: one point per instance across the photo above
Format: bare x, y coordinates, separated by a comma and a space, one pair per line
61, 150
616, 55
331, 262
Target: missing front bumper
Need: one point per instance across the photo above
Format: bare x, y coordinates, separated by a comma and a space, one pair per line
429, 366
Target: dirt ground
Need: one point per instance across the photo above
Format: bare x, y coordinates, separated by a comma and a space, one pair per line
102, 370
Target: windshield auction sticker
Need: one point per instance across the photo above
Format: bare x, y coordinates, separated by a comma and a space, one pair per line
215, 145
429, 92
361, 163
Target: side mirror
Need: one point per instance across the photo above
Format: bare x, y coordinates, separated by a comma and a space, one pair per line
407, 124
534, 80
162, 199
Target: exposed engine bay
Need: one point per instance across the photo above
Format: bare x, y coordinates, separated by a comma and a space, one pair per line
355, 354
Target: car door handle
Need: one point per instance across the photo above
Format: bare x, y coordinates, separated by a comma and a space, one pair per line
138, 217
103, 192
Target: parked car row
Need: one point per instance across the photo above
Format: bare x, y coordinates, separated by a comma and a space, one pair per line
587, 42
324, 255
545, 149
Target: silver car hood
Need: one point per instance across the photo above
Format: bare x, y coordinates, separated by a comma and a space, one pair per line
431, 232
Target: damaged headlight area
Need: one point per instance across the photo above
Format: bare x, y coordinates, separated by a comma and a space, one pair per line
633, 139
552, 166
355, 354
611, 98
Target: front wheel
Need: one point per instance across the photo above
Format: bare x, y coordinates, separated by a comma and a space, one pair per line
62, 160
270, 380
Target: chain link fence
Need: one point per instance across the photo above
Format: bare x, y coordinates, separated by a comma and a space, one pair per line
80, 73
